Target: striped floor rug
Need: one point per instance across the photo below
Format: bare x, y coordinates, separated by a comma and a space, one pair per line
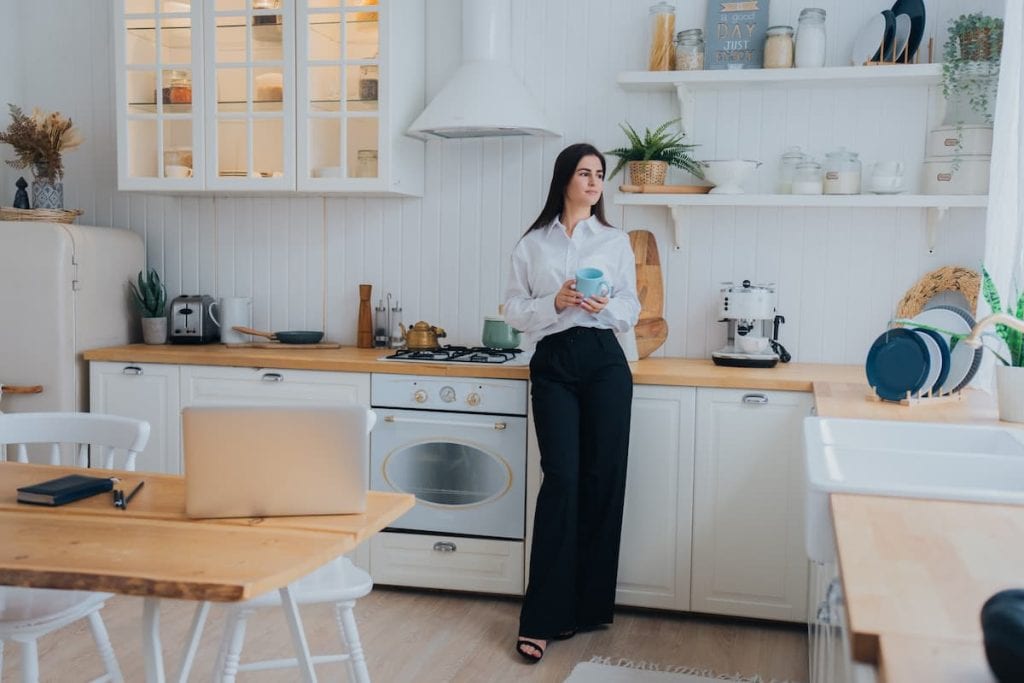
612, 670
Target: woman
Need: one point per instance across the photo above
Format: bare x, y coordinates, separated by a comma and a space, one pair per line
582, 390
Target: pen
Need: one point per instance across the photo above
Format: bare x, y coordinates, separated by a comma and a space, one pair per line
122, 502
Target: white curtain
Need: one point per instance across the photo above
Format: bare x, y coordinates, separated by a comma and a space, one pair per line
1004, 227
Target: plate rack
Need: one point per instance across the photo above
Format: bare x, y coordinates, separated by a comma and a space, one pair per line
919, 399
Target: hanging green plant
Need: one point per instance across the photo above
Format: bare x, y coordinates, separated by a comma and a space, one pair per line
970, 62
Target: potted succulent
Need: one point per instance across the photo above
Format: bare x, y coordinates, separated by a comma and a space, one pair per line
151, 298
970, 68
649, 156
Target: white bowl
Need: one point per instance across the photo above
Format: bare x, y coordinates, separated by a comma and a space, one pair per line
728, 175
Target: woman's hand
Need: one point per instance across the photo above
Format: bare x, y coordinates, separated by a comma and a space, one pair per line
594, 304
567, 296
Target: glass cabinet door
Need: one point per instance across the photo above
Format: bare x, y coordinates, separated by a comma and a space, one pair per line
339, 90
159, 91
250, 124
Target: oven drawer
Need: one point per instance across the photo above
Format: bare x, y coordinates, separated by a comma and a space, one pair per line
451, 562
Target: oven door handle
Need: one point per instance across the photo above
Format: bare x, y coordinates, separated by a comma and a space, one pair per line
497, 426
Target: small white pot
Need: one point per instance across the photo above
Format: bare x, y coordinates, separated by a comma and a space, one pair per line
154, 330
1010, 391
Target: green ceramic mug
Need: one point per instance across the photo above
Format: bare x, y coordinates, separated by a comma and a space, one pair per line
498, 334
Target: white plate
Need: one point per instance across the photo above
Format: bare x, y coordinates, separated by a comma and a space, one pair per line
902, 34
868, 40
961, 357
934, 360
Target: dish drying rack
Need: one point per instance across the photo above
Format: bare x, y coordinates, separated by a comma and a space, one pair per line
901, 58
922, 398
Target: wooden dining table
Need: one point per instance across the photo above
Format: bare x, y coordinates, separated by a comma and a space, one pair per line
154, 550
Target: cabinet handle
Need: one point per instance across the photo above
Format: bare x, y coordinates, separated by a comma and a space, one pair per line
272, 377
131, 370
445, 547
757, 399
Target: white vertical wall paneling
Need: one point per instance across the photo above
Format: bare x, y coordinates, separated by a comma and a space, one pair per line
445, 257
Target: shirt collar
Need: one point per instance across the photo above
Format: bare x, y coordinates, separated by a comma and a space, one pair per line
590, 222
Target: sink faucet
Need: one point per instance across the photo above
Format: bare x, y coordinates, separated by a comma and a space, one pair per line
974, 338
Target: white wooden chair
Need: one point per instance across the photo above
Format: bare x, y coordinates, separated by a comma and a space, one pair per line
338, 582
29, 613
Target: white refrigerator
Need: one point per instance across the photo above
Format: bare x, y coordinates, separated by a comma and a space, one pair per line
63, 290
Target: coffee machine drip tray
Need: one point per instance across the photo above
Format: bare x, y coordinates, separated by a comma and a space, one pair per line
730, 356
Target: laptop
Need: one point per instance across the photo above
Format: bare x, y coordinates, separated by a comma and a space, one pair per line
271, 461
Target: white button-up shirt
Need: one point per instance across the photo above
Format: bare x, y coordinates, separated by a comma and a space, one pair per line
547, 257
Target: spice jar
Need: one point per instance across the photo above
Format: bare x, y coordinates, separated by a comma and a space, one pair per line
778, 47
663, 28
807, 177
810, 38
788, 162
690, 50
842, 172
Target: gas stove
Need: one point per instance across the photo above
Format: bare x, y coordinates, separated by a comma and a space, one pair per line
458, 354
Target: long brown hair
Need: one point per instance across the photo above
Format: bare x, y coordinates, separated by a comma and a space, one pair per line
565, 166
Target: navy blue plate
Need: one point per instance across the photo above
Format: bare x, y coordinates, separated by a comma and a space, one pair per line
898, 362
885, 49
944, 350
915, 10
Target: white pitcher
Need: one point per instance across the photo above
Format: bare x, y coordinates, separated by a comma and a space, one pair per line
230, 311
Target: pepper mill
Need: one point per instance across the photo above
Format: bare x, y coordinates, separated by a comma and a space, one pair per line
364, 336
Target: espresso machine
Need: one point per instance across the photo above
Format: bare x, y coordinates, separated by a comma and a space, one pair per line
753, 338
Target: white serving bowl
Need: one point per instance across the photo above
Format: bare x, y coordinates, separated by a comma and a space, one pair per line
728, 175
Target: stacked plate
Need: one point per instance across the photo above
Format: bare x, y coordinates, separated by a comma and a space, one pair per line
912, 361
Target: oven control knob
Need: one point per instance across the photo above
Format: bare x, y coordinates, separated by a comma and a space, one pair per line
473, 399
420, 396
447, 394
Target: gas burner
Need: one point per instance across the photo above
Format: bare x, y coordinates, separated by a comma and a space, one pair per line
457, 354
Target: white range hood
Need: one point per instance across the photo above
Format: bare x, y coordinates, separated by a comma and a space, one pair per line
484, 98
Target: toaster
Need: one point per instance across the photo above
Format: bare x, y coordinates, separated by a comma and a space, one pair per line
192, 320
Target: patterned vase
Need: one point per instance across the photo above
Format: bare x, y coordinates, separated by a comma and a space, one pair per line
47, 194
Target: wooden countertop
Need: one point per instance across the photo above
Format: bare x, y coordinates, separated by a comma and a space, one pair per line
915, 575
665, 371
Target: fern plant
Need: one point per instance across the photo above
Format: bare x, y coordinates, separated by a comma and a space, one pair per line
1014, 338
150, 295
661, 144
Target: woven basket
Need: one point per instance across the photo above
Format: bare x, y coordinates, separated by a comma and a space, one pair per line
647, 172
976, 45
945, 279
8, 213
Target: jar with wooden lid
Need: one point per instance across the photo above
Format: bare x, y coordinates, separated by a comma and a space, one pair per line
778, 47
663, 29
690, 50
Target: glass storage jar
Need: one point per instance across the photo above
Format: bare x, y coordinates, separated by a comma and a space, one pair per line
842, 172
690, 50
807, 177
663, 28
788, 162
778, 47
366, 163
810, 38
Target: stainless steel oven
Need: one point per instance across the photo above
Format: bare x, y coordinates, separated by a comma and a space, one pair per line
458, 445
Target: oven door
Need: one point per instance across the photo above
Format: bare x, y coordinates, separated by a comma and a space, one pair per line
468, 472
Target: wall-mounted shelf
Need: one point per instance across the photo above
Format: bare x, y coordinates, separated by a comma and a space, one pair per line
937, 205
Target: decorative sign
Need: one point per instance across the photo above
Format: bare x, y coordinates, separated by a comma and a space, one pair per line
735, 34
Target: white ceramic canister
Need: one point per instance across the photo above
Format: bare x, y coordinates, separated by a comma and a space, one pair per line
232, 311
973, 140
939, 177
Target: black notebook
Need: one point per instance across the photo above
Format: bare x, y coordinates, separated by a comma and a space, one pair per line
64, 489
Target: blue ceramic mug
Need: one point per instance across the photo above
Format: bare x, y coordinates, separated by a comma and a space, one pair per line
590, 282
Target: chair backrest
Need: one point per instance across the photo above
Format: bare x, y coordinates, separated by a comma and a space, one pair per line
108, 435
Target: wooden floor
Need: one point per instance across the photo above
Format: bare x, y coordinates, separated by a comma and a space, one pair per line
426, 637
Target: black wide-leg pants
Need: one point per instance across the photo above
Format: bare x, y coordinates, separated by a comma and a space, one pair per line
582, 393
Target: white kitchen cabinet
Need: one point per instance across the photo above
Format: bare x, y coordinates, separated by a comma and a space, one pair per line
748, 504
144, 391
204, 385
269, 95
654, 556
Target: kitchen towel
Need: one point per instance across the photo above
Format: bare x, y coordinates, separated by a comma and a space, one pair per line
610, 670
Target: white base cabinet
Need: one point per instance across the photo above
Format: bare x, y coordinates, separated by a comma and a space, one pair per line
144, 391
654, 554
748, 504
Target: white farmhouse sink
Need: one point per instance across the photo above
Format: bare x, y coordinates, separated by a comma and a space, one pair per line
906, 459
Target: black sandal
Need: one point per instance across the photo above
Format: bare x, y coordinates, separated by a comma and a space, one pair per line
565, 635
528, 656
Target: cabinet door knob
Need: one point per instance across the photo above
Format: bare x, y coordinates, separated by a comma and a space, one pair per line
445, 547
272, 377
131, 370
757, 399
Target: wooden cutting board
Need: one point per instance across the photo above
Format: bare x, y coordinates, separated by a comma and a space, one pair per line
665, 189
651, 330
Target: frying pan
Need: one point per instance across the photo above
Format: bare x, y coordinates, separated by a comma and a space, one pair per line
288, 337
